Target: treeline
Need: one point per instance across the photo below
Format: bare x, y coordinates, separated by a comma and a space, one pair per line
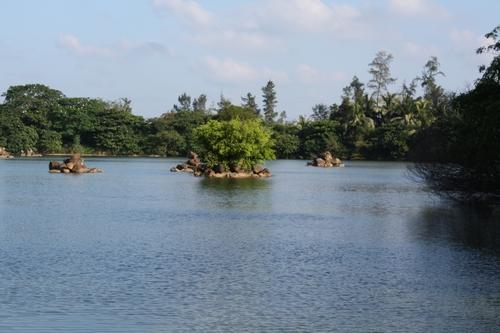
371, 121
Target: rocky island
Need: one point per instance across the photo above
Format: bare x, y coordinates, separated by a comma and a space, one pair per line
326, 160
74, 164
197, 168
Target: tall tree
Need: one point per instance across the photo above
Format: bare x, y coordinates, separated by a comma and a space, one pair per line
200, 104
249, 103
432, 91
320, 112
184, 103
270, 102
381, 75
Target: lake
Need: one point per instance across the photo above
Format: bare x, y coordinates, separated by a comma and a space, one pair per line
139, 249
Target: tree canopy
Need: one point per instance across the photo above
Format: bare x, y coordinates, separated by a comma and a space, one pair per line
234, 143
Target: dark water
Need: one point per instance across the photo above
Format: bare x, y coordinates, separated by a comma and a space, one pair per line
138, 249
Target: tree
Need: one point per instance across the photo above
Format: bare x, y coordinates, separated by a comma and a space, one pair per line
168, 143
270, 102
286, 140
249, 103
389, 142
236, 112
320, 112
50, 142
432, 91
184, 103
319, 136
234, 144
381, 75
465, 162
200, 104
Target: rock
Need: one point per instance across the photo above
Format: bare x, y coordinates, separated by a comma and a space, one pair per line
195, 166
326, 160
193, 162
4, 153
74, 164
258, 169
337, 162
192, 156
319, 162
54, 165
265, 173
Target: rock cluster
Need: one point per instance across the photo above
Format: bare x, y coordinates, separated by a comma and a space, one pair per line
74, 164
219, 172
30, 153
195, 166
4, 153
192, 164
326, 160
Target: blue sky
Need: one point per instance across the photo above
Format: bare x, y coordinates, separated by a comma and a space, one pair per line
153, 50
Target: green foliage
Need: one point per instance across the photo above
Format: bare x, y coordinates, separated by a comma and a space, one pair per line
388, 142
287, 141
168, 143
230, 111
270, 101
234, 144
319, 136
466, 145
22, 138
50, 142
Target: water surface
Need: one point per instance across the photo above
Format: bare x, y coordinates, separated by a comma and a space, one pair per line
139, 249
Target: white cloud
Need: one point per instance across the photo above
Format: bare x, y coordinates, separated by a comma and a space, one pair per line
309, 75
305, 15
188, 10
425, 8
231, 71
125, 48
74, 44
238, 40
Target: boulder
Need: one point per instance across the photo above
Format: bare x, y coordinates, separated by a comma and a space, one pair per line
258, 169
74, 164
326, 160
4, 153
319, 162
54, 165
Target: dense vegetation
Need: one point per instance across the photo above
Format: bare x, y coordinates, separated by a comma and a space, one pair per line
463, 144
370, 121
455, 138
234, 144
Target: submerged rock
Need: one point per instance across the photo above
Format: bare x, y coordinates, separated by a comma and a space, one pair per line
326, 160
74, 164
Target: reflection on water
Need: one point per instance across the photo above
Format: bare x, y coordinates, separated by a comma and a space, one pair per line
140, 249
243, 194
475, 228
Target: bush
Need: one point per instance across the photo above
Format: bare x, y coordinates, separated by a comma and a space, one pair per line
234, 144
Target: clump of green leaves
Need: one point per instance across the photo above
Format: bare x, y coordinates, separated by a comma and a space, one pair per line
234, 144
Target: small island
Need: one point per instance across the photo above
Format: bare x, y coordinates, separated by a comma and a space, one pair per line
230, 149
326, 160
74, 164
